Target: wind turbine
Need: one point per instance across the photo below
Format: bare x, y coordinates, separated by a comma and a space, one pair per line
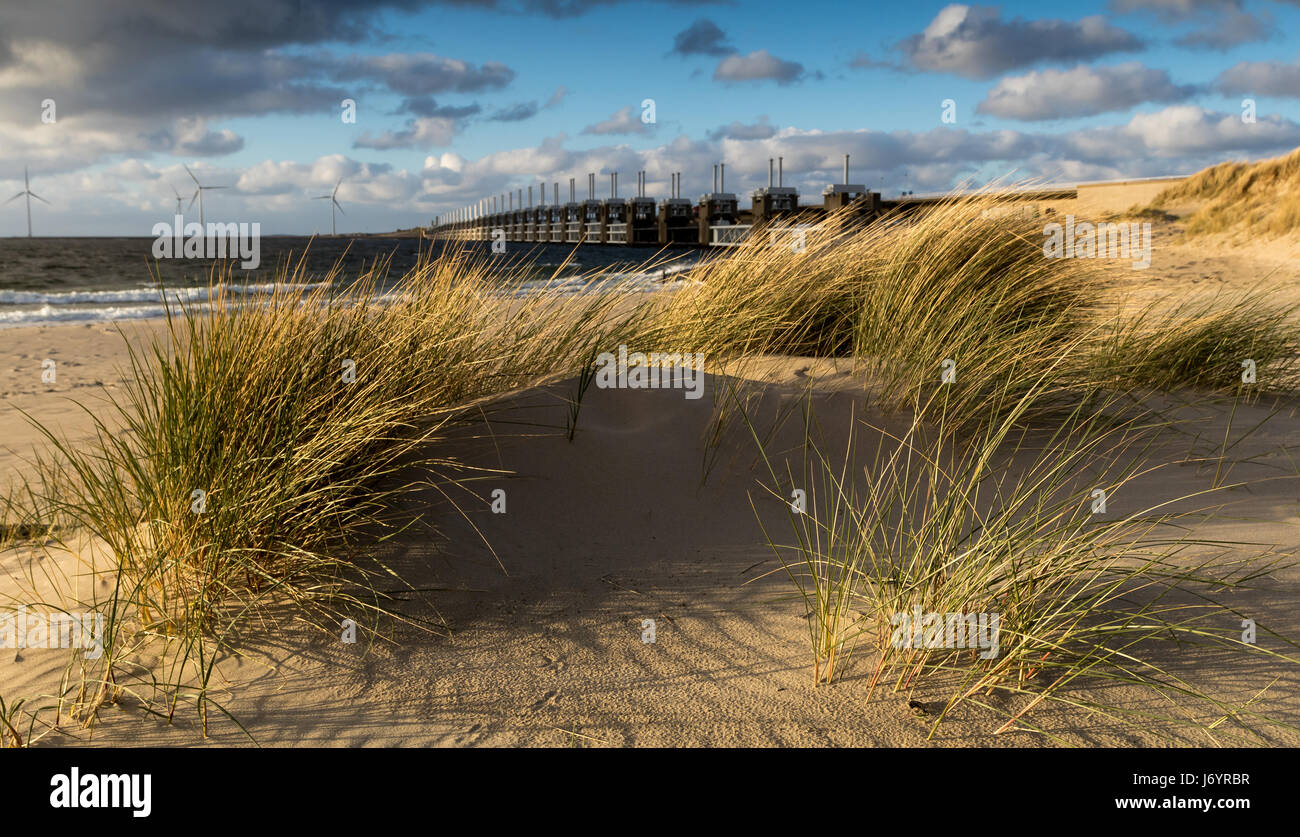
178, 199
333, 203
198, 194
27, 190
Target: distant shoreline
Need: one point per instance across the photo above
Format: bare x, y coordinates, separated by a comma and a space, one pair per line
411, 233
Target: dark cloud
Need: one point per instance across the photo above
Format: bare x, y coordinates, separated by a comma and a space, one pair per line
703, 37
167, 85
243, 25
165, 60
762, 129
973, 41
1222, 24
1174, 10
862, 61
1260, 78
1233, 29
421, 74
759, 65
210, 144
428, 106
515, 113
527, 110
575, 8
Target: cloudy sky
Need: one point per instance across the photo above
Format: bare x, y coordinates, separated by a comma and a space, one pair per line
460, 99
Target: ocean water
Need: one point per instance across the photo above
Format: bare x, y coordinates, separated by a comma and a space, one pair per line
52, 280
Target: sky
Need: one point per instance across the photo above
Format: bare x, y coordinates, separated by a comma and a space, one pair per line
106, 103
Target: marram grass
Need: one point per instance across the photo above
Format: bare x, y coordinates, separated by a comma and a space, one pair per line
258, 449
305, 418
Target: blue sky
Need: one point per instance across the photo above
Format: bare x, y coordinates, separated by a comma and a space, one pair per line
460, 100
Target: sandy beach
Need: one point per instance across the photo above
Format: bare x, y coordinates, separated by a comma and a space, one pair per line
640, 524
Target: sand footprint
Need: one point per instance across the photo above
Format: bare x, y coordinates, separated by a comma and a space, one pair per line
470, 735
548, 699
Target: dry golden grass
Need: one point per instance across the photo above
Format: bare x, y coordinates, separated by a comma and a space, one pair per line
1257, 199
303, 470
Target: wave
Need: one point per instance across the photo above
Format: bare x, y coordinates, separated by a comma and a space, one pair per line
130, 295
52, 314
647, 281
108, 306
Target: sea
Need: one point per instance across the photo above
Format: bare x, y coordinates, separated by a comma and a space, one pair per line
60, 280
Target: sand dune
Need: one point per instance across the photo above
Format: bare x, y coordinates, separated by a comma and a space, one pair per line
621, 526
536, 621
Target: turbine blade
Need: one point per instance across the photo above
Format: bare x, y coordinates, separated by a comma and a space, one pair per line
192, 177
336, 203
39, 198
215, 187
192, 200
15, 197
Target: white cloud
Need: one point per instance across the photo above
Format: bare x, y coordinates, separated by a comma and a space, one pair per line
423, 133
1081, 91
621, 122
1190, 129
1172, 140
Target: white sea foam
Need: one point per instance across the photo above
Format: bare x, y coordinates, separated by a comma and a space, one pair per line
64, 314
35, 307
18, 308
124, 296
646, 281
